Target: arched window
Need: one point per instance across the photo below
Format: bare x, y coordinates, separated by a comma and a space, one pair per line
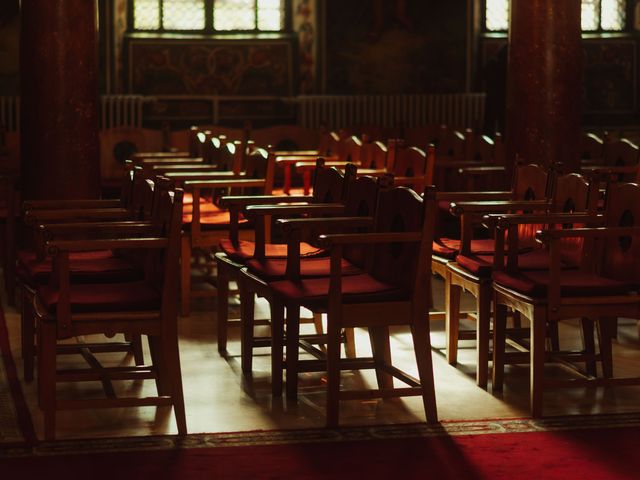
597, 15
207, 16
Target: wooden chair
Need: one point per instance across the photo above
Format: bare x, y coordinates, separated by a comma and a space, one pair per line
355, 215
330, 148
204, 228
100, 266
194, 150
471, 273
329, 196
148, 307
234, 253
391, 292
604, 286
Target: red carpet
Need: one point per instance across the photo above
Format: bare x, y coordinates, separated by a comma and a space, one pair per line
575, 454
22, 411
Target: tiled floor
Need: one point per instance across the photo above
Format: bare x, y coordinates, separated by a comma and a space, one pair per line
219, 399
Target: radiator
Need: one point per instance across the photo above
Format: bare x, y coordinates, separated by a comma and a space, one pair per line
121, 111
115, 111
458, 110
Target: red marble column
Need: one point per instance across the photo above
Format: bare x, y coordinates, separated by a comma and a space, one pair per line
59, 99
544, 86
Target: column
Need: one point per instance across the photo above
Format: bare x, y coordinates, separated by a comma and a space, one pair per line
544, 85
59, 99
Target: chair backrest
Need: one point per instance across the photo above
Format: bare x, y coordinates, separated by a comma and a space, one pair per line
193, 141
330, 144
621, 153
230, 157
591, 147
400, 209
328, 183
531, 182
373, 155
352, 150
479, 148
362, 201
414, 162
260, 164
621, 255
451, 145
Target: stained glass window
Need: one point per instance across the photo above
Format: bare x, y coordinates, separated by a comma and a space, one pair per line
208, 15
597, 15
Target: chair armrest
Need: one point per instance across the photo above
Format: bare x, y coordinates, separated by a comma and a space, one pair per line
305, 224
186, 167
485, 170
299, 153
307, 165
198, 176
497, 220
152, 155
95, 228
473, 196
460, 208
605, 170
327, 241
316, 209
293, 159
40, 216
105, 244
546, 236
148, 162
231, 182
70, 204
244, 200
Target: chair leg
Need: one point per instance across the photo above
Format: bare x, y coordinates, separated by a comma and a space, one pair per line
422, 347
292, 336
381, 349
136, 347
482, 333
185, 280
163, 382
27, 337
606, 332
589, 345
538, 340
222, 294
452, 318
499, 344
277, 347
247, 315
47, 340
286, 187
171, 353
350, 343
333, 371
306, 181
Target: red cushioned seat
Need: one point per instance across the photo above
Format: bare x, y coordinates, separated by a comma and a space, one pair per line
296, 191
212, 220
481, 245
573, 283
108, 297
355, 289
206, 208
83, 270
272, 269
245, 250
482, 265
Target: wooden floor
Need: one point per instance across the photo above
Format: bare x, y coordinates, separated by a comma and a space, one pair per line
219, 399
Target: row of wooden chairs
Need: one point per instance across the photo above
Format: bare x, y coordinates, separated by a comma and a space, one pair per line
104, 267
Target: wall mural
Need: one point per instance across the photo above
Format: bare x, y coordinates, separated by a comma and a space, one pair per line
305, 25
395, 46
203, 68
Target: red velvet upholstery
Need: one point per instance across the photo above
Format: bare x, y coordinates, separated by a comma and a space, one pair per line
448, 247
482, 265
355, 289
136, 296
272, 269
272, 250
573, 283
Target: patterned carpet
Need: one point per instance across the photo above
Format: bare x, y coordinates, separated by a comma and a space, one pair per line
317, 436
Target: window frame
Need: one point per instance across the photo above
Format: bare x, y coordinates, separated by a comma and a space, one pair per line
208, 30
628, 23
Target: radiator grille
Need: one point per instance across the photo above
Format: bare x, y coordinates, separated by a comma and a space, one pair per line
118, 111
337, 111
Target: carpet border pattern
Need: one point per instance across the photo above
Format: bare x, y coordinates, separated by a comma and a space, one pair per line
320, 435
